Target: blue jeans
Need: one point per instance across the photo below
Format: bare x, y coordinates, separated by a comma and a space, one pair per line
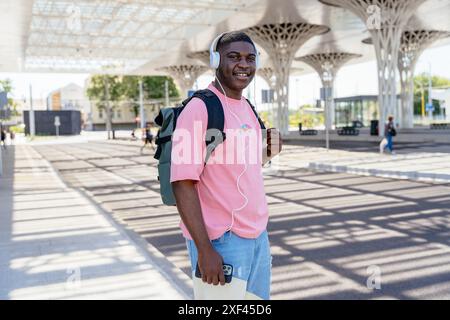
389, 143
252, 264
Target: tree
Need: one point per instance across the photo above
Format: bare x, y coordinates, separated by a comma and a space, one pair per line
154, 87
7, 86
307, 119
421, 81
266, 118
130, 90
126, 89
106, 92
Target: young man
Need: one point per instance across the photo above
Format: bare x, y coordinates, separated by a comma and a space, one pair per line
222, 204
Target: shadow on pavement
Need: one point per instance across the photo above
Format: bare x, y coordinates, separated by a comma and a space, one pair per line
326, 229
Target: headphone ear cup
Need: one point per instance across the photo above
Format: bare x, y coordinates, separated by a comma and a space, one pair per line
214, 59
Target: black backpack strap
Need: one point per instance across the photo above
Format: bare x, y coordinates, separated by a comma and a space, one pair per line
261, 123
216, 117
216, 120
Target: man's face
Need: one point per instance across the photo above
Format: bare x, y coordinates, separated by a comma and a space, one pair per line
237, 64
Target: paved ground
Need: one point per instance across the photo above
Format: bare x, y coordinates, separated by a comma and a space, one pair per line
417, 162
52, 235
373, 147
326, 229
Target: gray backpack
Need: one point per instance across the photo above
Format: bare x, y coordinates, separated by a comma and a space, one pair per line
167, 121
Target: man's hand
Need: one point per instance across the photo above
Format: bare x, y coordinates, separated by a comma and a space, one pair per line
188, 205
274, 145
274, 142
210, 265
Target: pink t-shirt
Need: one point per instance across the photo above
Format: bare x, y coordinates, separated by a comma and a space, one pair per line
217, 181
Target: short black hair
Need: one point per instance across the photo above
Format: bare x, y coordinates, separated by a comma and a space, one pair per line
233, 36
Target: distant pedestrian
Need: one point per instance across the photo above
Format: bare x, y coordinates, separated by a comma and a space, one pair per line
12, 136
148, 138
389, 133
133, 136
3, 138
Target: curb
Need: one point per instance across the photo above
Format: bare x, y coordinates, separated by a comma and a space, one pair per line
402, 175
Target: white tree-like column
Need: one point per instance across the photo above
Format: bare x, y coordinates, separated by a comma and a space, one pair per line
386, 20
282, 41
184, 75
268, 74
327, 66
202, 56
413, 44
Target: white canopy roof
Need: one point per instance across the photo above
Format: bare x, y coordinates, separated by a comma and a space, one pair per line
139, 36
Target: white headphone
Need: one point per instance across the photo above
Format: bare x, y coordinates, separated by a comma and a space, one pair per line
214, 55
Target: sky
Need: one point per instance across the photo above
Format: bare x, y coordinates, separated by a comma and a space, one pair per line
303, 89
42, 83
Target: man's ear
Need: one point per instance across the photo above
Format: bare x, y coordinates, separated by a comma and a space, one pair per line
219, 71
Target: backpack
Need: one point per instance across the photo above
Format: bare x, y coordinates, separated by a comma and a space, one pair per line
392, 132
167, 120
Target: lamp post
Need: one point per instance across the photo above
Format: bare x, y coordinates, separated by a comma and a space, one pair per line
141, 105
328, 97
430, 99
31, 118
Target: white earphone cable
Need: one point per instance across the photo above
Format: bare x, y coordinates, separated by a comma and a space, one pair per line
245, 162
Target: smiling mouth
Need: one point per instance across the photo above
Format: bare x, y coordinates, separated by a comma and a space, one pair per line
241, 74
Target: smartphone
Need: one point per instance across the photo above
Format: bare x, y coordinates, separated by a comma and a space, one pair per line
268, 136
227, 272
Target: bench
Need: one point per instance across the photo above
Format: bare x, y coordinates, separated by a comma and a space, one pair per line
440, 126
348, 131
309, 132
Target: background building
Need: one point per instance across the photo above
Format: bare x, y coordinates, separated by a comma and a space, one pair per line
71, 98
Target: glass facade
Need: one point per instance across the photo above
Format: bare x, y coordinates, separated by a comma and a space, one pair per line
359, 108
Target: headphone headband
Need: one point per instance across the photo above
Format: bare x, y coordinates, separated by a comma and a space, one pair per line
213, 47
214, 55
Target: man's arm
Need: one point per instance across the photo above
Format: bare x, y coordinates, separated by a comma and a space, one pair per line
188, 204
